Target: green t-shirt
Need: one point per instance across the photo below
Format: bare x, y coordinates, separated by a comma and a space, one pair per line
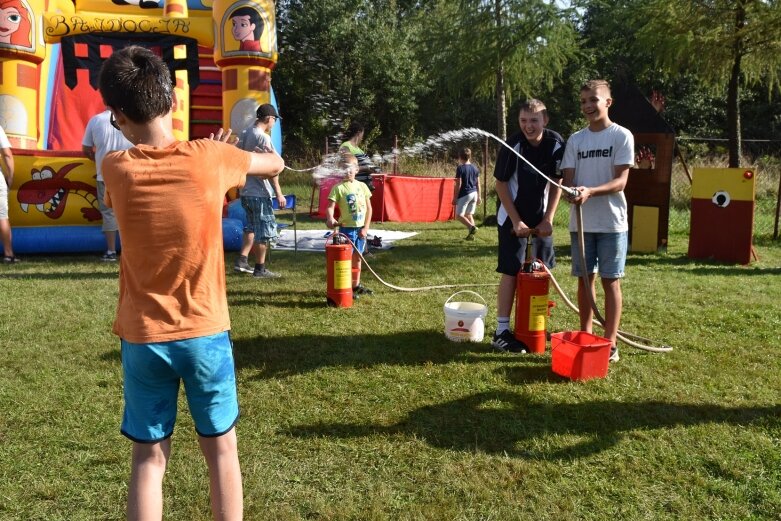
352, 197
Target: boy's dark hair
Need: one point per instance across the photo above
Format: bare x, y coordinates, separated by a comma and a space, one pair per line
465, 154
595, 84
254, 17
353, 130
534, 105
136, 82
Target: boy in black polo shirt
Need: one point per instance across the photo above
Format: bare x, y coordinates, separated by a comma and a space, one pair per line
527, 204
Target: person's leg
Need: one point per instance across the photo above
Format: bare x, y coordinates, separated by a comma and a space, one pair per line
613, 307
225, 487
5, 236
470, 217
356, 269
505, 295
584, 303
260, 252
247, 243
585, 290
111, 240
463, 220
208, 370
145, 490
611, 248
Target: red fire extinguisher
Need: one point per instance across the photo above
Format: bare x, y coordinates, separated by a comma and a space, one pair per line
531, 303
338, 265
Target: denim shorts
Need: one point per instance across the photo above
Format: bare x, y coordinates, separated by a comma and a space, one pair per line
467, 205
152, 373
352, 233
605, 251
260, 218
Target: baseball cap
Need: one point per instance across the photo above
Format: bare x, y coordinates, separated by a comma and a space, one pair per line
267, 109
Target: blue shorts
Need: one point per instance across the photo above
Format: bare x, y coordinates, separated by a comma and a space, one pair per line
606, 251
260, 218
152, 373
352, 233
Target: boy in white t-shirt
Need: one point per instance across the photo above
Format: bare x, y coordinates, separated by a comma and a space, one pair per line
596, 162
100, 138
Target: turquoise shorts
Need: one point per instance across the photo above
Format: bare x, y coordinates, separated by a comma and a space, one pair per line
152, 373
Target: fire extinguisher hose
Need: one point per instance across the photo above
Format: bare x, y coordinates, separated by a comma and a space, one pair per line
400, 288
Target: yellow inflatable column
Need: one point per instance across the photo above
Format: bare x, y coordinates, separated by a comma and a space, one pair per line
21, 52
245, 50
181, 112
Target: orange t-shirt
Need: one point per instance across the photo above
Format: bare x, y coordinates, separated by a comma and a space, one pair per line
168, 204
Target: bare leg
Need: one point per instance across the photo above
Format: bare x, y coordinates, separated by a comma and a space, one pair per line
247, 241
471, 218
505, 295
463, 220
356, 265
260, 252
111, 240
584, 304
225, 489
145, 491
5, 236
613, 307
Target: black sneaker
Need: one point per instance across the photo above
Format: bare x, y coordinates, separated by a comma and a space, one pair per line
614, 354
506, 342
241, 266
10, 259
109, 257
360, 289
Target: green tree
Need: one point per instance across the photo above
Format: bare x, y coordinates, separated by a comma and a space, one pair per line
727, 44
499, 49
344, 60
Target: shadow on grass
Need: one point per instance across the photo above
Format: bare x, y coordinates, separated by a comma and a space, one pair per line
516, 425
69, 275
290, 355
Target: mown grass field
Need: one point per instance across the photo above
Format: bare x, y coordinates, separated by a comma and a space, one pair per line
370, 413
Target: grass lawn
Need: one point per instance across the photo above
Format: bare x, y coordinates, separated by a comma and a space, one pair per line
370, 413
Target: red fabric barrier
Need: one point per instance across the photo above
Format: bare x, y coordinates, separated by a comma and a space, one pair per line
404, 198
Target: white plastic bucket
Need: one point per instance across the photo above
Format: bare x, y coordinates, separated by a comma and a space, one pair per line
464, 320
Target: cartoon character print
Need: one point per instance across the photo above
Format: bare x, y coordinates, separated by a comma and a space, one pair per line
15, 24
356, 209
48, 192
247, 28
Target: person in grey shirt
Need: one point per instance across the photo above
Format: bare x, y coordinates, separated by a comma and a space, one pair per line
256, 198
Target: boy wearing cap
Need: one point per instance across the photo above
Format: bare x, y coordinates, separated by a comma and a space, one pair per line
256, 198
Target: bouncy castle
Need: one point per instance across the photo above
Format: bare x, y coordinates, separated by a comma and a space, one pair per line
220, 53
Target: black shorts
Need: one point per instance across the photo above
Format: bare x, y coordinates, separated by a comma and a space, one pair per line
512, 250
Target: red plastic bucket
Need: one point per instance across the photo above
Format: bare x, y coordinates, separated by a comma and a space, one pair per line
578, 355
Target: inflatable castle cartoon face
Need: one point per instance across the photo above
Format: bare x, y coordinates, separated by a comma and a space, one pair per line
16, 28
220, 53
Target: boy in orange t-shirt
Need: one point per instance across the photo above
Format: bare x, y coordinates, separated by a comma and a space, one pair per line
172, 316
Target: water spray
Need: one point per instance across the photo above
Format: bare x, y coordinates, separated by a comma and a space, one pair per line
438, 142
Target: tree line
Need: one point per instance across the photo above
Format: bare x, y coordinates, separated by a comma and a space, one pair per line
413, 68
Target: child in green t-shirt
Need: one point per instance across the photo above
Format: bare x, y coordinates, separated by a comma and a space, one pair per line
355, 214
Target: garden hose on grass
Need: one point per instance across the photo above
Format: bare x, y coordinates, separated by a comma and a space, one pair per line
627, 338
400, 288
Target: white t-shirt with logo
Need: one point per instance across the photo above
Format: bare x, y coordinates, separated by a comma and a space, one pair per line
105, 138
594, 155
